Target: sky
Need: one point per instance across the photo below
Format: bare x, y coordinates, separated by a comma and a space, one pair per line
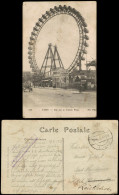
61, 30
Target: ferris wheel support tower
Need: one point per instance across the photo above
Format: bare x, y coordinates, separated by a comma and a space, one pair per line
51, 61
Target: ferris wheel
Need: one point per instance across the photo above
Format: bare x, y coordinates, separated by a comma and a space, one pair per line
82, 35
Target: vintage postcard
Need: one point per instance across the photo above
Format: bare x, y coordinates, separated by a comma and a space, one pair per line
59, 59
59, 157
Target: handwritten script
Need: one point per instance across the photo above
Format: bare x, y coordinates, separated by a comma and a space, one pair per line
38, 165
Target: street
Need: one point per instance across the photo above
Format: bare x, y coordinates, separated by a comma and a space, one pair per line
58, 98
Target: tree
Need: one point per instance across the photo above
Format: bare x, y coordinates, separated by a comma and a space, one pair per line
37, 78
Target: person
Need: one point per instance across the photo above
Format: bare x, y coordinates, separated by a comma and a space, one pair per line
80, 87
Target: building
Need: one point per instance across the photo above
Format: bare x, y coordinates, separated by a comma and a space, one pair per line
46, 82
91, 64
86, 78
60, 78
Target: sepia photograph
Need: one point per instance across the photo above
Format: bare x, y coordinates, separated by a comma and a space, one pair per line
59, 59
